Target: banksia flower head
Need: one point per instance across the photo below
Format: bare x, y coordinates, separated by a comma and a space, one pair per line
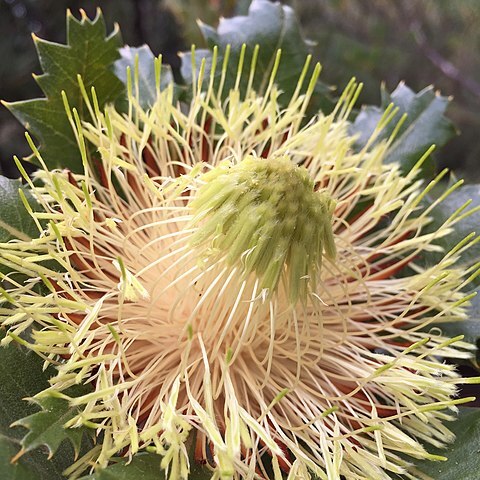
233, 279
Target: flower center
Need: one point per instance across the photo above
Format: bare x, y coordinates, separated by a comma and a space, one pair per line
265, 216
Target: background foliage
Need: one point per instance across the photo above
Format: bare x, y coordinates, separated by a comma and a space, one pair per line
376, 41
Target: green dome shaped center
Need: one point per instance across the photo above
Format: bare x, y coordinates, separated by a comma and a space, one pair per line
266, 216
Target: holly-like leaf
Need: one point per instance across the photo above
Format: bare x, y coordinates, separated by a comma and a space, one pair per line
15, 221
22, 377
89, 53
144, 74
46, 427
425, 124
271, 26
31, 466
463, 456
145, 466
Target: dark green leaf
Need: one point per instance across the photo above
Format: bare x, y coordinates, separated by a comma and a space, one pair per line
46, 427
15, 221
425, 124
31, 466
271, 26
88, 53
147, 84
145, 466
464, 455
22, 376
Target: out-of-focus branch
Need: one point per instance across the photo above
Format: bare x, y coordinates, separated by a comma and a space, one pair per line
446, 67
409, 18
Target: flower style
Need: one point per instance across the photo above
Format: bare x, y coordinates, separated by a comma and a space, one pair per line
236, 282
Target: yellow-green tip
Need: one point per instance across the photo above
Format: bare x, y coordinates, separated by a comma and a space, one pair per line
265, 216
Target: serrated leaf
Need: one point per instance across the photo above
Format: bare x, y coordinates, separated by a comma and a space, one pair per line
271, 26
22, 377
15, 221
463, 456
142, 66
425, 124
145, 466
31, 466
88, 53
46, 427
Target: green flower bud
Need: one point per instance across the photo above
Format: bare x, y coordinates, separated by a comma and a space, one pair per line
266, 216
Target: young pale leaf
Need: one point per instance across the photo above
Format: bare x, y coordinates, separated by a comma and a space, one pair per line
143, 73
15, 221
470, 328
145, 466
271, 26
463, 458
425, 124
465, 198
463, 203
88, 54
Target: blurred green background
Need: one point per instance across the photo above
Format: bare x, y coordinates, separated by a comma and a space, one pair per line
422, 42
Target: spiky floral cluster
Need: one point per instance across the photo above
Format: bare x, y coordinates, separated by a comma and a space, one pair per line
268, 212
230, 276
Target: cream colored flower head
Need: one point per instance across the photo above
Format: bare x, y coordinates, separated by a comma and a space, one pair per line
240, 287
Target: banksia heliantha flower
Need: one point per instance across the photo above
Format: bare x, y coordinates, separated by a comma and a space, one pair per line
233, 276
